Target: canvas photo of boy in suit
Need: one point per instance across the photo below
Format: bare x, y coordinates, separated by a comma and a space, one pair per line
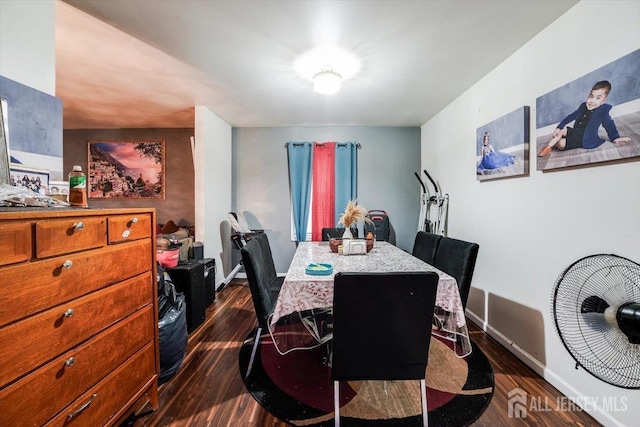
588, 118
592, 119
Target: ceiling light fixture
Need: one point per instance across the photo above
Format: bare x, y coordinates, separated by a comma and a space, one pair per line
327, 81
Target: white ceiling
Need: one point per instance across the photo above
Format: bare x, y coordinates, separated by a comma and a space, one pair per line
146, 63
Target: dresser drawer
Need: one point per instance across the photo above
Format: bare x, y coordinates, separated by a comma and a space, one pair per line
92, 366
32, 287
52, 387
61, 236
52, 332
128, 227
99, 406
15, 242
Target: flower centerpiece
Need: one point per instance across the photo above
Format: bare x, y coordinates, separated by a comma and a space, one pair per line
351, 215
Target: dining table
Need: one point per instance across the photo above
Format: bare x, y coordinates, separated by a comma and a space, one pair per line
305, 300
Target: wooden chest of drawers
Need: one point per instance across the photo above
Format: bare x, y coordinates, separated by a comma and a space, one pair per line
78, 317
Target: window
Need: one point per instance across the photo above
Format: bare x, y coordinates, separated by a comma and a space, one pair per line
324, 164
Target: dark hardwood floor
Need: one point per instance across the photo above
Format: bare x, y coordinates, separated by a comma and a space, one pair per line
208, 389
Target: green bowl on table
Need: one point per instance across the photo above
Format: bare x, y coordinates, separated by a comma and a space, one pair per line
319, 269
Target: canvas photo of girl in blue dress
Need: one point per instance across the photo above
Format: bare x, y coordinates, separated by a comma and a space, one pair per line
502, 146
492, 159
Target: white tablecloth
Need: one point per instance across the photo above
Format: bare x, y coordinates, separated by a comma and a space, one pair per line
302, 292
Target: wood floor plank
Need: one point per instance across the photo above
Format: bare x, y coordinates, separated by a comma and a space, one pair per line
208, 390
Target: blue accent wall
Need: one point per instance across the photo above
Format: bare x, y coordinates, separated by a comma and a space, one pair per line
386, 163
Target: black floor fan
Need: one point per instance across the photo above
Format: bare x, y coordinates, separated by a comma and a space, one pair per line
596, 310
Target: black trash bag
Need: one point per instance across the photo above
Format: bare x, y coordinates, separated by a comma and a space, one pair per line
166, 291
173, 338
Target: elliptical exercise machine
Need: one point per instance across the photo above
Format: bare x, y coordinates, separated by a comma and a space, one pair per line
433, 208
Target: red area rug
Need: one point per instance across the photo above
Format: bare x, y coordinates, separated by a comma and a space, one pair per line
297, 388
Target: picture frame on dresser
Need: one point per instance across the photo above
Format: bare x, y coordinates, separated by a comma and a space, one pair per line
35, 179
59, 187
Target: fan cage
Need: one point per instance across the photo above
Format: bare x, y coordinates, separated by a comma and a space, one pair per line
601, 349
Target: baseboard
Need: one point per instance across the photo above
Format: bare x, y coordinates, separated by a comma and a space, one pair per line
547, 374
243, 275
479, 322
225, 281
525, 357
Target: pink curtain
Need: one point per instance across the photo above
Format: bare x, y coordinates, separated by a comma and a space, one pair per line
324, 178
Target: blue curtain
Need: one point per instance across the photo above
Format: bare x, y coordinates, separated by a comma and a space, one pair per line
346, 175
299, 155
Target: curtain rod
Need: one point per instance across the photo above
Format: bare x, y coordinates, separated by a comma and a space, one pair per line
300, 144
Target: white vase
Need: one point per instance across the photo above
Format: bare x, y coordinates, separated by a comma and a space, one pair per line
347, 233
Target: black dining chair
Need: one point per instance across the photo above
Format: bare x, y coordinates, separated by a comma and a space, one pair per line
425, 246
275, 282
457, 258
382, 328
264, 287
336, 233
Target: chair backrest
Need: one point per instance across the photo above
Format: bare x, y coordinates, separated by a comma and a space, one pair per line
426, 246
265, 247
382, 325
380, 225
255, 264
457, 258
336, 233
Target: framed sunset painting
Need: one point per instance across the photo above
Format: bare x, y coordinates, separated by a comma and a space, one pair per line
126, 169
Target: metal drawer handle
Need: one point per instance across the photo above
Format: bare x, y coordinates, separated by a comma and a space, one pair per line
134, 220
70, 361
82, 408
67, 264
69, 312
78, 226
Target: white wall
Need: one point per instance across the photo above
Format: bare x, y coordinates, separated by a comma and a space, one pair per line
27, 43
531, 228
213, 182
